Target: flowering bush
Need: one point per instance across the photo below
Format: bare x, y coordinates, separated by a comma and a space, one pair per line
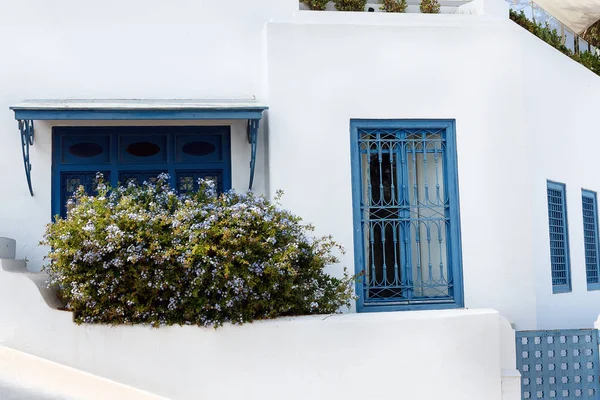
143, 254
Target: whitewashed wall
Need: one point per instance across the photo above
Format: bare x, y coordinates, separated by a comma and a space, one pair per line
512, 96
562, 100
454, 355
524, 113
410, 67
23, 376
136, 49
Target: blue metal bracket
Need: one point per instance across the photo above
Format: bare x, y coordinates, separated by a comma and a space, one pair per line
252, 139
27, 138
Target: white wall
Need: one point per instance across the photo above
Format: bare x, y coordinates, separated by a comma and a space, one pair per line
327, 69
454, 355
524, 113
23, 376
316, 71
561, 99
178, 49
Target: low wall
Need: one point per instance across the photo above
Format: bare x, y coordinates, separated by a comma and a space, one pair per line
460, 354
23, 376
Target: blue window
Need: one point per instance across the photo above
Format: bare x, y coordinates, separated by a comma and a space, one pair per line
559, 238
138, 154
406, 214
590, 237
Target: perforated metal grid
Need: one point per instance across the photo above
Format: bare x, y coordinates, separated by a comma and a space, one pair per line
558, 364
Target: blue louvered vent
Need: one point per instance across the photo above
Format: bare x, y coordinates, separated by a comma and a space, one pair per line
590, 236
559, 243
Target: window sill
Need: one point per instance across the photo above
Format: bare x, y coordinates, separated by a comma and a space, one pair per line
381, 307
561, 289
593, 286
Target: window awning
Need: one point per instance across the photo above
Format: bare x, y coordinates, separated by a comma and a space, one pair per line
128, 110
576, 14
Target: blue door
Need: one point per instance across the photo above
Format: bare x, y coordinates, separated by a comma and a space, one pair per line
137, 154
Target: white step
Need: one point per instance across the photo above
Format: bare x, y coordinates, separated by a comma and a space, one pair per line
12, 265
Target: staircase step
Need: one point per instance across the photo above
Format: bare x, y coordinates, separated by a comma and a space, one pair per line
8, 248
12, 265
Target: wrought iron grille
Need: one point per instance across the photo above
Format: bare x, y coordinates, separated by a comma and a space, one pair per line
559, 250
71, 181
590, 235
405, 215
558, 364
138, 177
187, 181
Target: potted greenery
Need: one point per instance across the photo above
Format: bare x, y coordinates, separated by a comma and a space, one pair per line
350, 5
316, 4
394, 6
430, 7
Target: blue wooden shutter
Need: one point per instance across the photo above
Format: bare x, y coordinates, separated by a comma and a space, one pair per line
590, 237
559, 238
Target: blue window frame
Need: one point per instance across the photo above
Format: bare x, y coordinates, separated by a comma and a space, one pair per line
406, 214
589, 203
559, 238
137, 154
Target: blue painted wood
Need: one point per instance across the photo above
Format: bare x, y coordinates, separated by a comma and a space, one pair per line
120, 167
190, 148
253, 140
85, 110
138, 115
559, 237
79, 149
558, 364
406, 214
27, 139
589, 203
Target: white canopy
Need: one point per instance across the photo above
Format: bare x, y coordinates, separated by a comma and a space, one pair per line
576, 14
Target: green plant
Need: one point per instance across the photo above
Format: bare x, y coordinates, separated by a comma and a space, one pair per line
350, 5
430, 7
394, 6
551, 36
589, 60
143, 254
592, 34
316, 4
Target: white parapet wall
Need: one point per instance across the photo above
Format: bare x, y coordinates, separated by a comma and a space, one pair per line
460, 354
23, 376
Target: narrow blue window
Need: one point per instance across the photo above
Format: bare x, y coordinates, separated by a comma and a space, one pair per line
590, 237
559, 238
406, 214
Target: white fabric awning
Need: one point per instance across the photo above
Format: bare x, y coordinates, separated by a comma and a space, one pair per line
578, 15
